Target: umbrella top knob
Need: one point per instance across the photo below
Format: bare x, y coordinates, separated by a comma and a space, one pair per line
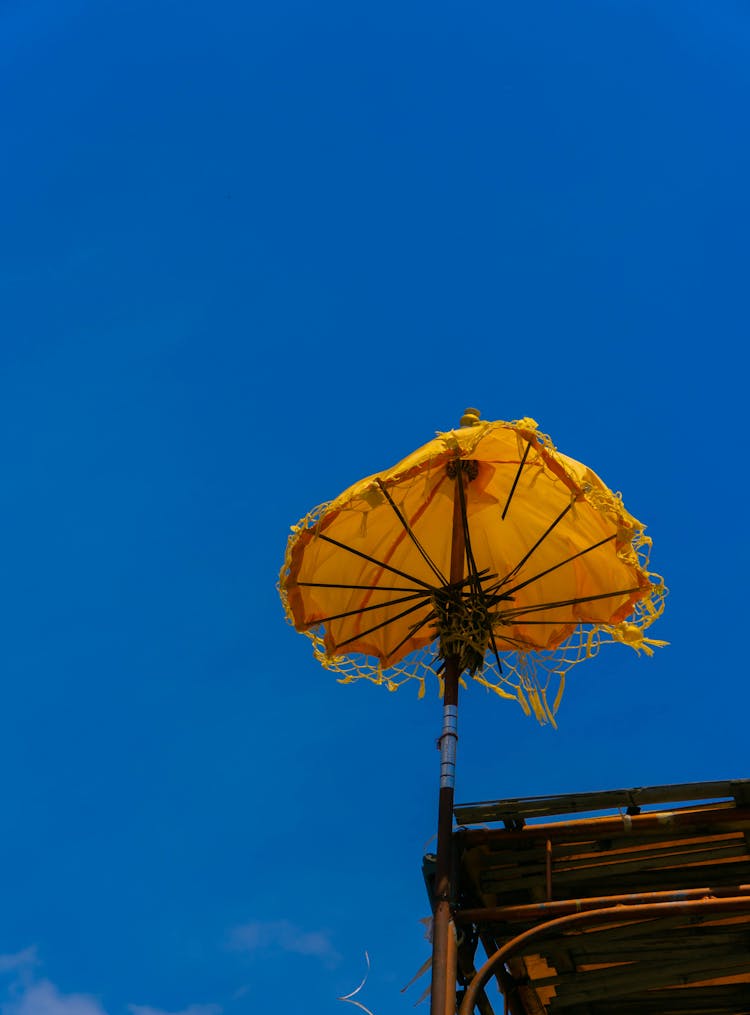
470, 417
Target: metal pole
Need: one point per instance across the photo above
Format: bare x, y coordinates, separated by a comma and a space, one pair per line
443, 990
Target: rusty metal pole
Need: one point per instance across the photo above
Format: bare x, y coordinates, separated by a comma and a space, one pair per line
443, 990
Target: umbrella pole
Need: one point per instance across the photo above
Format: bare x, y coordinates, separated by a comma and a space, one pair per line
443, 989
443, 998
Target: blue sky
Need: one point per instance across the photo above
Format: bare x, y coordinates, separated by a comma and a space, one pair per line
248, 254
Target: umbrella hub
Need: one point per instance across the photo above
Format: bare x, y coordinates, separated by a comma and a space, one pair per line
461, 608
468, 467
463, 623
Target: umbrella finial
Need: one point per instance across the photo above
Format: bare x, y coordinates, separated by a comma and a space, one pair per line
470, 417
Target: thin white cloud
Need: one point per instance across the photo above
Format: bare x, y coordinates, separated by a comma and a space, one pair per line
282, 935
43, 998
21, 993
192, 1009
18, 961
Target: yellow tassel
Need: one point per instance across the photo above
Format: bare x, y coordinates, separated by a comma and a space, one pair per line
496, 688
549, 717
536, 704
522, 701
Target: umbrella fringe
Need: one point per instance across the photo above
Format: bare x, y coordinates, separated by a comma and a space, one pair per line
532, 679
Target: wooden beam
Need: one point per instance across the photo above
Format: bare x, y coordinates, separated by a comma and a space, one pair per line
515, 808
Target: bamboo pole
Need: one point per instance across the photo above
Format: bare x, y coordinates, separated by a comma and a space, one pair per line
443, 989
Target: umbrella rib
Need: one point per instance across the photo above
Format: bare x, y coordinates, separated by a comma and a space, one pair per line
412, 631
542, 623
554, 567
383, 623
366, 609
516, 642
536, 545
362, 588
373, 560
515, 481
474, 580
410, 533
496, 652
513, 614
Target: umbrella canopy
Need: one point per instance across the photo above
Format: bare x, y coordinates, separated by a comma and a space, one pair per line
554, 566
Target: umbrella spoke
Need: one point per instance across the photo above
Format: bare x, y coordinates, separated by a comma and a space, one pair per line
495, 652
374, 560
363, 588
383, 623
547, 623
515, 481
374, 606
410, 533
482, 575
413, 628
474, 581
519, 644
514, 614
537, 544
549, 570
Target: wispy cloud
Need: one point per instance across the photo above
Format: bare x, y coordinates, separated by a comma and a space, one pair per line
192, 1009
19, 961
22, 993
282, 935
43, 998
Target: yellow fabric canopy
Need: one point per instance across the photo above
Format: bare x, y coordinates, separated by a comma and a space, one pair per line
553, 565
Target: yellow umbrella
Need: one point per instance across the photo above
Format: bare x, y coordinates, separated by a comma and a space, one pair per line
555, 565
485, 552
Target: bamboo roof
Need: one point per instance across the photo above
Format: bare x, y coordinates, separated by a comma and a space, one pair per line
630, 901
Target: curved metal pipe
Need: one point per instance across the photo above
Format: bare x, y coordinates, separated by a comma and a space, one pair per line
612, 914
525, 913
